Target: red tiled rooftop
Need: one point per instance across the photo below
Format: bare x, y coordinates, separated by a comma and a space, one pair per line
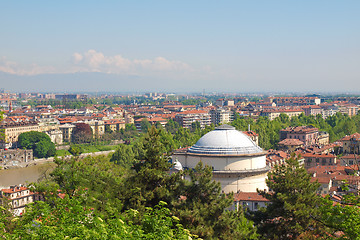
14, 190
291, 142
249, 196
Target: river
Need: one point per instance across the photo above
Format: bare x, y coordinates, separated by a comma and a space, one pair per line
18, 176
33, 173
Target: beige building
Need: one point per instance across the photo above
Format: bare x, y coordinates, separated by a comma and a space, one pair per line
12, 130
51, 126
313, 160
273, 113
237, 162
97, 126
323, 138
186, 118
351, 144
56, 136
66, 130
252, 201
114, 124
48, 124
221, 116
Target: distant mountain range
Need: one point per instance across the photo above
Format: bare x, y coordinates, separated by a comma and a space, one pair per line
75, 82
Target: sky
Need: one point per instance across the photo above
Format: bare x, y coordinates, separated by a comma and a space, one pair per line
180, 46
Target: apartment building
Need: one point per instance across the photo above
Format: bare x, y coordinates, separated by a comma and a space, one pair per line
309, 135
221, 116
12, 130
273, 113
313, 160
186, 118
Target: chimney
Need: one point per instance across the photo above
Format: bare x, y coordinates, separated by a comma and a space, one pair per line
249, 128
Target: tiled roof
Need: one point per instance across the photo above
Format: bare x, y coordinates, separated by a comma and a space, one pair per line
249, 196
291, 142
14, 190
355, 136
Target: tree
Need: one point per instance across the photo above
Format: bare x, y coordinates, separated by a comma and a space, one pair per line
39, 142
103, 180
75, 150
68, 218
151, 182
172, 126
203, 210
343, 217
123, 156
294, 204
145, 125
82, 133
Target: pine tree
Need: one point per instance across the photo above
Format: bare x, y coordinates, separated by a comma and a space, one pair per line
203, 208
294, 204
151, 182
123, 156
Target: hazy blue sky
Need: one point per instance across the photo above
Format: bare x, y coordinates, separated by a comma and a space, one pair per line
233, 46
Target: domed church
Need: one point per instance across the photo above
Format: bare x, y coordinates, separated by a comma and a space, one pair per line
238, 163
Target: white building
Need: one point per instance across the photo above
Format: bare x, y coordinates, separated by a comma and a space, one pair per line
238, 163
18, 196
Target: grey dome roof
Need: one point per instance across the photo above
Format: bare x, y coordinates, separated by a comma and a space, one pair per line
225, 140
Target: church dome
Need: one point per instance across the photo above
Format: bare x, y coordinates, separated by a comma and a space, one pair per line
225, 140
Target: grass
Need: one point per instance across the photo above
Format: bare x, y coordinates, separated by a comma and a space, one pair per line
62, 153
88, 149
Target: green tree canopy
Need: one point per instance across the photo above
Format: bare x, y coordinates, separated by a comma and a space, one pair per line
294, 204
123, 156
39, 142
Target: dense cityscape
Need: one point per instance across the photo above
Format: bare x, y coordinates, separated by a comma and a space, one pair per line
251, 138
180, 120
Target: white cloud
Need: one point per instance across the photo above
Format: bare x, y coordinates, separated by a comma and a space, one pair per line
15, 68
77, 57
94, 61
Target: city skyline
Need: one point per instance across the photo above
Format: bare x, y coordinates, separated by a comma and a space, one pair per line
235, 46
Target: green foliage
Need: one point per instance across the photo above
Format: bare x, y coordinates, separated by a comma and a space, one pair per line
145, 125
75, 150
203, 209
39, 142
102, 179
151, 182
234, 225
67, 218
343, 217
294, 204
123, 156
172, 126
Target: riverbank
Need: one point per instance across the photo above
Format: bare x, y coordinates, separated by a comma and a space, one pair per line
35, 170
40, 161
